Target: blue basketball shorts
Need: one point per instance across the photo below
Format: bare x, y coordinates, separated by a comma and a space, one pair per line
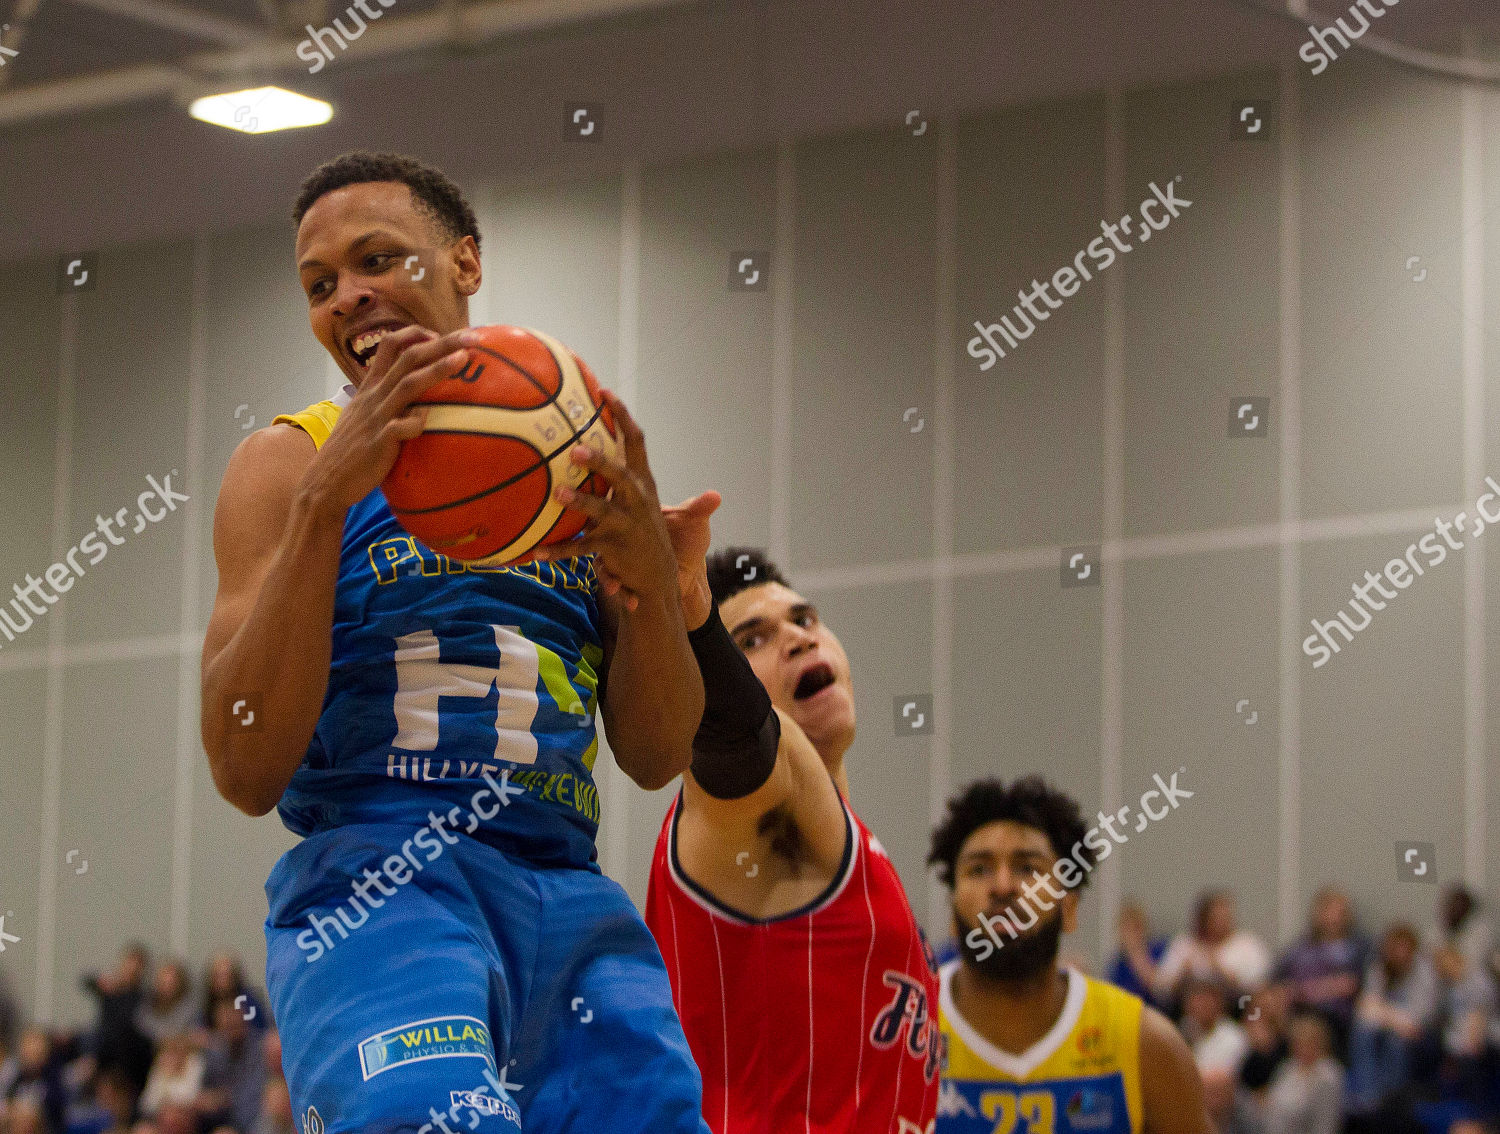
481, 994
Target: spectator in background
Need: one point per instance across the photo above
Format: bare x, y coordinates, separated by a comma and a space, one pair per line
1230, 1111
1469, 1020
270, 1052
1324, 969
168, 1010
38, 1081
1134, 966
1306, 1096
176, 1076
1218, 1043
116, 1040
1265, 1024
108, 1107
10, 1067
10, 1013
1397, 1006
25, 1117
1215, 949
1462, 926
224, 983
114, 1096
234, 1070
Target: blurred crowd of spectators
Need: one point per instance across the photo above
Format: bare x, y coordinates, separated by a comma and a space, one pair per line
1339, 1034
160, 1058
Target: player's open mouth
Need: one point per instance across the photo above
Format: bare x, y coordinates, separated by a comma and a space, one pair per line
814, 681
363, 345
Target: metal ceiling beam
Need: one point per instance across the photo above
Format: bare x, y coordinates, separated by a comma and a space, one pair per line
474, 24
183, 21
14, 32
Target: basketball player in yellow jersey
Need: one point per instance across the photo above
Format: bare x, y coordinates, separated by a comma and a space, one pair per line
1033, 1047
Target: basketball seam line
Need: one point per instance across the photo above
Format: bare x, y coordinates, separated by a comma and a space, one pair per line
544, 463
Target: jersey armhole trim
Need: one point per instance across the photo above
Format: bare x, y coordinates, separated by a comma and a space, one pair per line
717, 908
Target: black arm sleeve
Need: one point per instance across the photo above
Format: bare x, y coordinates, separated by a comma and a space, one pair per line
734, 751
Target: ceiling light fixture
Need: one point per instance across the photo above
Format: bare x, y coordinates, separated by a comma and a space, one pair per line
260, 110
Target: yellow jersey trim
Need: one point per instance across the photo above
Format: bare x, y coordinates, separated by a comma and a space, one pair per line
317, 420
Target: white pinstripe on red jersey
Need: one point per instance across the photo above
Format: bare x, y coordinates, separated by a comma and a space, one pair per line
756, 1023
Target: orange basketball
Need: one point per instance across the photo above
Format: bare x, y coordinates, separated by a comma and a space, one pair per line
476, 484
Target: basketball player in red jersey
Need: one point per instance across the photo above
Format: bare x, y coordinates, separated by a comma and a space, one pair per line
805, 986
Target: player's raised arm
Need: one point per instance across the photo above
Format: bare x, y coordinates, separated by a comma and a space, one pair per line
278, 529
749, 758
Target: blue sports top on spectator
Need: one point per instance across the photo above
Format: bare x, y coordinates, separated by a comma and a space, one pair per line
1121, 975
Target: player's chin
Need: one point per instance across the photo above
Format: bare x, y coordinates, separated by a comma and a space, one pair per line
825, 713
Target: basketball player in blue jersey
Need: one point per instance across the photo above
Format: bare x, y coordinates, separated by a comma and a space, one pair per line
1031, 1047
443, 952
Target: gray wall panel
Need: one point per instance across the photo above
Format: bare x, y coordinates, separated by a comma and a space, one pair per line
1382, 729
22, 708
1201, 311
705, 350
117, 782
130, 422
553, 262
861, 481
1027, 431
1381, 399
31, 320
1200, 636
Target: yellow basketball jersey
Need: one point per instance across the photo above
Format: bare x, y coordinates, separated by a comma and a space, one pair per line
1083, 1075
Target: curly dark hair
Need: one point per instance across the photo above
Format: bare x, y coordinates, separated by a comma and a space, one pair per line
734, 569
1029, 800
433, 194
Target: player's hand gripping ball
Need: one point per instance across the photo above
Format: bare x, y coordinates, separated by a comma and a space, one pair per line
477, 483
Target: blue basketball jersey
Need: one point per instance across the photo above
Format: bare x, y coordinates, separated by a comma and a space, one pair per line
456, 694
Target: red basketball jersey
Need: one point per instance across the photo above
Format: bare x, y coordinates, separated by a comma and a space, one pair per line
821, 1021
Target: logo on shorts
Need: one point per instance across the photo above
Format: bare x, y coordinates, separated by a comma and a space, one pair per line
481, 1103
313, 1123
441, 1037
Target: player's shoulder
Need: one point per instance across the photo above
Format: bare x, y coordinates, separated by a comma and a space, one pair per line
271, 454
261, 478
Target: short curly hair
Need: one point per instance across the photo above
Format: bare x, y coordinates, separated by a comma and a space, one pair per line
432, 192
735, 569
1030, 801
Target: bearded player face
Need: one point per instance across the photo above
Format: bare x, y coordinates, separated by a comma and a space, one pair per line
1002, 871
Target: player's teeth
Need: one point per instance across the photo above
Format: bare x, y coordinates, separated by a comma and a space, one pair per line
366, 342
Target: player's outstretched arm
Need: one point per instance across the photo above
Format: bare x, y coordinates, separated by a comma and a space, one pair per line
755, 776
1171, 1091
278, 530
